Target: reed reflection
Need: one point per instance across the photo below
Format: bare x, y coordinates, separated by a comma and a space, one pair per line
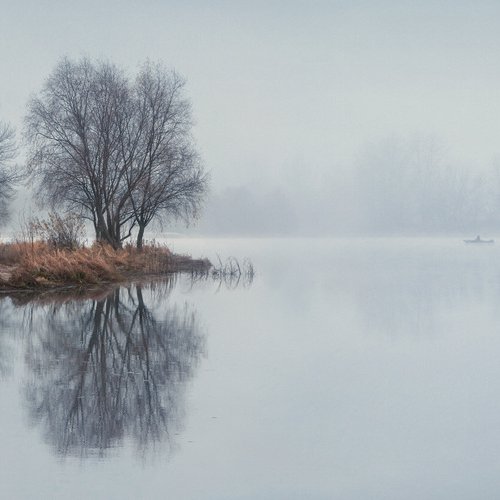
112, 368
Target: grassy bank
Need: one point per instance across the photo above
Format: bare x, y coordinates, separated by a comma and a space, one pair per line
39, 265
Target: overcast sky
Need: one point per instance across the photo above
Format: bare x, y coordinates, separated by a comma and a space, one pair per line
279, 86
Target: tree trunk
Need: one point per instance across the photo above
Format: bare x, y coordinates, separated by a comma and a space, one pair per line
140, 237
103, 235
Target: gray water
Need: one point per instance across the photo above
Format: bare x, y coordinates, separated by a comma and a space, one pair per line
348, 369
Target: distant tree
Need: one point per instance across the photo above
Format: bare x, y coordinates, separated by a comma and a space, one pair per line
410, 186
8, 175
117, 151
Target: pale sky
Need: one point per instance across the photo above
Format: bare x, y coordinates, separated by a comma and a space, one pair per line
282, 86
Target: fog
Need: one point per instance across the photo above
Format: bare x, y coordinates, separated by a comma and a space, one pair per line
337, 118
394, 187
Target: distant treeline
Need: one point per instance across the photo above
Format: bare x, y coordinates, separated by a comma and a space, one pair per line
394, 187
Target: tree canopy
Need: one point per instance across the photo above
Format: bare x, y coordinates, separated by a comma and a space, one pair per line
116, 149
8, 175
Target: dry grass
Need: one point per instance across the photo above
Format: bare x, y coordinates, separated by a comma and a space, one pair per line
38, 265
10, 253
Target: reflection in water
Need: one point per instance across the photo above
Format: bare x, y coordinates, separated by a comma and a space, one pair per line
361, 369
6, 348
107, 369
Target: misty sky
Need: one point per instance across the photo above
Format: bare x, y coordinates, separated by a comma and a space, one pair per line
285, 93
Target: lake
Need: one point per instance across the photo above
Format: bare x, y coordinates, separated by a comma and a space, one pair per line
348, 368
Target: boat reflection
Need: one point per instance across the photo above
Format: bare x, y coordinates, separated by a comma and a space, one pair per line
110, 369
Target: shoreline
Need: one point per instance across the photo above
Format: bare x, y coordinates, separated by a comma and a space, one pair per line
37, 267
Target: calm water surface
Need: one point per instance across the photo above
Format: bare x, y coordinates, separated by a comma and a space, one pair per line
348, 369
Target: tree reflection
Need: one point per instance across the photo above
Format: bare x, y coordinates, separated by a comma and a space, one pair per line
109, 369
6, 348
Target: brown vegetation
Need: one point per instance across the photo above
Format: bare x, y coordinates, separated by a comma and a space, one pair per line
40, 265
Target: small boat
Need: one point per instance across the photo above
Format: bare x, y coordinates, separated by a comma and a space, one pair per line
478, 240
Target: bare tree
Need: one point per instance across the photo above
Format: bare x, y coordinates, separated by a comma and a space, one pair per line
167, 176
76, 128
410, 186
8, 175
119, 152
